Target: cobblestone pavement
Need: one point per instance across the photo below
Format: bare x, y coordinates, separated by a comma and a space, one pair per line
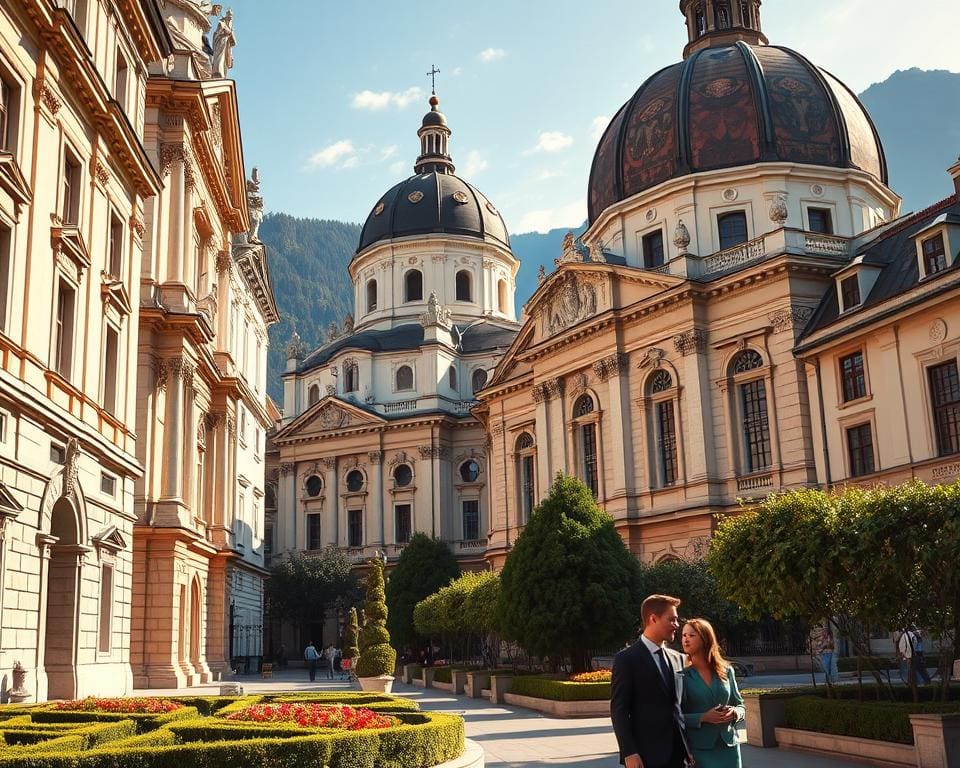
513, 737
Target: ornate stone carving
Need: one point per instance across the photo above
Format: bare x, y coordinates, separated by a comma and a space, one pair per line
938, 331
596, 253
331, 390
651, 215
555, 388
71, 467
681, 237
177, 153
790, 318
348, 324
612, 365
578, 383
224, 260
101, 172
694, 340
215, 420
496, 429
231, 425
181, 368
375, 457
49, 99
568, 251
333, 417
137, 225
541, 274
574, 300
778, 209
202, 431
401, 457
160, 372
652, 358
254, 206
329, 462
436, 314
433, 452
296, 350
287, 468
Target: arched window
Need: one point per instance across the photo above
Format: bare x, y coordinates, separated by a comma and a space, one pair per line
452, 378
313, 394
371, 295
723, 16
413, 285
525, 475
404, 378
464, 285
479, 380
351, 377
354, 480
402, 476
701, 21
661, 381
502, 296
314, 485
470, 471
745, 19
587, 443
662, 412
733, 229
752, 405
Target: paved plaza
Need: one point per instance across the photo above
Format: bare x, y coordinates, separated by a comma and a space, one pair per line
517, 737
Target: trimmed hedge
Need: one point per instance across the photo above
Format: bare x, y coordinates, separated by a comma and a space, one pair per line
849, 664
559, 690
881, 721
109, 740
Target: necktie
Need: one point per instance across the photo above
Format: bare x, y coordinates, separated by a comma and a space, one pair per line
665, 668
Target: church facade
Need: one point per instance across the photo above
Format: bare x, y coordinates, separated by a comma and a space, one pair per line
745, 280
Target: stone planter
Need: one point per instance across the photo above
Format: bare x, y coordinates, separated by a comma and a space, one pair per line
476, 683
378, 684
562, 709
411, 672
765, 713
882, 753
499, 685
427, 676
937, 740
459, 677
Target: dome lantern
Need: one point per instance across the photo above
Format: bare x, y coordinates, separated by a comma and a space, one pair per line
719, 22
434, 141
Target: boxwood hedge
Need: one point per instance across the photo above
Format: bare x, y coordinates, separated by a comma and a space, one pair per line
559, 690
43, 737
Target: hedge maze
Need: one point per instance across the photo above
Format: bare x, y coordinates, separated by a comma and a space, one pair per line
197, 732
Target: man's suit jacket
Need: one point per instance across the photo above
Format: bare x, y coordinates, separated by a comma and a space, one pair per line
646, 710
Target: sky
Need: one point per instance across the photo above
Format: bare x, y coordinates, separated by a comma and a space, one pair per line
332, 93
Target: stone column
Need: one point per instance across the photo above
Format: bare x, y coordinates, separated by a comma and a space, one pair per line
44, 542
376, 491
217, 618
543, 442
175, 195
180, 376
613, 369
287, 522
332, 533
698, 447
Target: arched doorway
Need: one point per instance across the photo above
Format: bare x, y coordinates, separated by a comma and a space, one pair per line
195, 603
60, 631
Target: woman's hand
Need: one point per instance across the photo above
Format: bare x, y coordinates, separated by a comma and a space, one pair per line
719, 715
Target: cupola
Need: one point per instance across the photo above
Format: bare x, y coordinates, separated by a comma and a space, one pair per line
721, 22
434, 141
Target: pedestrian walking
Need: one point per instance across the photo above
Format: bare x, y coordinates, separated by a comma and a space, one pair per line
311, 656
824, 649
645, 692
920, 659
329, 653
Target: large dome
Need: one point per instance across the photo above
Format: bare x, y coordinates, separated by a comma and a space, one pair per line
433, 202
731, 105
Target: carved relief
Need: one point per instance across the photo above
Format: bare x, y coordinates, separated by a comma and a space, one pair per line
287, 468
181, 368
224, 260
433, 452
578, 383
612, 365
574, 300
375, 457
137, 225
596, 253
652, 358
101, 172
329, 462
694, 340
778, 209
681, 237
49, 99
790, 318
331, 390
177, 153
938, 331
160, 372
332, 417
71, 467
401, 457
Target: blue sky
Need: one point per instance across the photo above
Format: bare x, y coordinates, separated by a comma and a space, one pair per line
332, 93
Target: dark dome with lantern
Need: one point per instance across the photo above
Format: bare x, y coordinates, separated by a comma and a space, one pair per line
733, 101
434, 200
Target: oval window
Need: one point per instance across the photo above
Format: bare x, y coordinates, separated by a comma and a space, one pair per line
354, 481
470, 471
402, 476
314, 485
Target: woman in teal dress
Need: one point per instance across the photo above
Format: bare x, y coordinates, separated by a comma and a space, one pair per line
712, 705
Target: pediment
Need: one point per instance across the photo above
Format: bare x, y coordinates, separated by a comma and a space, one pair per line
114, 292
328, 416
510, 366
110, 539
9, 506
13, 182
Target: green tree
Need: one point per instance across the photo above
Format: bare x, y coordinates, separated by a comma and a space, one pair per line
695, 586
569, 585
425, 565
350, 636
301, 587
377, 657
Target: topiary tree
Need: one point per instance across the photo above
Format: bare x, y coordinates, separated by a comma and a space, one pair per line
376, 656
569, 585
350, 649
425, 565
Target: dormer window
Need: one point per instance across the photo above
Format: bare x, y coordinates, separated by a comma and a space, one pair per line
849, 293
934, 255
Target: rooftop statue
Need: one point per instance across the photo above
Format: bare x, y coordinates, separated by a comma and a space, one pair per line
221, 61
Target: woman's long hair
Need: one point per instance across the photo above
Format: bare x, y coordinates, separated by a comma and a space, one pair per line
711, 648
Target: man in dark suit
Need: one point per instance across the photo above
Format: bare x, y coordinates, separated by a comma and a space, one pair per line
646, 689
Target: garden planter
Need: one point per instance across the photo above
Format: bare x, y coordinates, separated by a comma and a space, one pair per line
378, 684
765, 713
476, 683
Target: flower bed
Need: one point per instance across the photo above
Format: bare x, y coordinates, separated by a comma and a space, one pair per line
142, 705
312, 715
559, 690
602, 675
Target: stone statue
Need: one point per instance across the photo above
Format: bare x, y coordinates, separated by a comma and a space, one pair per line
332, 331
596, 252
541, 274
348, 324
295, 347
681, 237
569, 249
435, 314
254, 206
778, 209
223, 43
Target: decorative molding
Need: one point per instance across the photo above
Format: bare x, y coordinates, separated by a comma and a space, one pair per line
224, 260
612, 365
71, 467
596, 253
160, 372
329, 462
177, 153
433, 452
101, 172
401, 457
938, 330
681, 237
231, 425
287, 468
215, 420
49, 99
331, 390
333, 417
375, 457
137, 225
181, 368
652, 358
578, 383
778, 209
694, 340
574, 299
790, 318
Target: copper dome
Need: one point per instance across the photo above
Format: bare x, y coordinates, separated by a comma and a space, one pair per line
727, 106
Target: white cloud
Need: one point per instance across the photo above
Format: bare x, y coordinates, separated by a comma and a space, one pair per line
552, 141
380, 100
570, 215
549, 173
597, 126
340, 152
456, 71
473, 164
397, 167
387, 152
492, 54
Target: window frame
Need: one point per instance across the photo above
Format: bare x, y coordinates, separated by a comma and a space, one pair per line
11, 93
372, 292
115, 245
313, 531
110, 393
311, 401
355, 526
474, 505
586, 426
71, 187
477, 374
859, 464
723, 216
503, 299
463, 279
942, 254
851, 396
407, 276
398, 529
396, 378
741, 381
409, 479
525, 453
64, 336
464, 478
646, 248
6, 274
828, 218
105, 615
950, 409
853, 279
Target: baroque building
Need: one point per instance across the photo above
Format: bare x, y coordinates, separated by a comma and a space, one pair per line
377, 440
75, 181
205, 305
746, 271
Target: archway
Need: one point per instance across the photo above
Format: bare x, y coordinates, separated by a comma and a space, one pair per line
60, 631
195, 603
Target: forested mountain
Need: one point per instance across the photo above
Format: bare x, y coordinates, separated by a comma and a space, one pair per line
917, 114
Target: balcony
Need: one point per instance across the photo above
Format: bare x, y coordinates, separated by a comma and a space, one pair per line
783, 240
471, 545
355, 554
755, 482
826, 244
403, 406
464, 406
752, 250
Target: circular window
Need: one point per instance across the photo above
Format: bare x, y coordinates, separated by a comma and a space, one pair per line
402, 476
470, 471
314, 485
355, 481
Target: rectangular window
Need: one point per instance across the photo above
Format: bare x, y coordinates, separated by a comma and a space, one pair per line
3, 427
653, 250
8, 104
526, 486
313, 532
115, 264
58, 454
106, 609
732, 228
355, 528
850, 292
198, 510
120, 81
820, 220
934, 255
860, 450
402, 514
70, 213
854, 379
945, 393
111, 360
108, 484
267, 543
667, 439
63, 332
756, 427
5, 276
471, 520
